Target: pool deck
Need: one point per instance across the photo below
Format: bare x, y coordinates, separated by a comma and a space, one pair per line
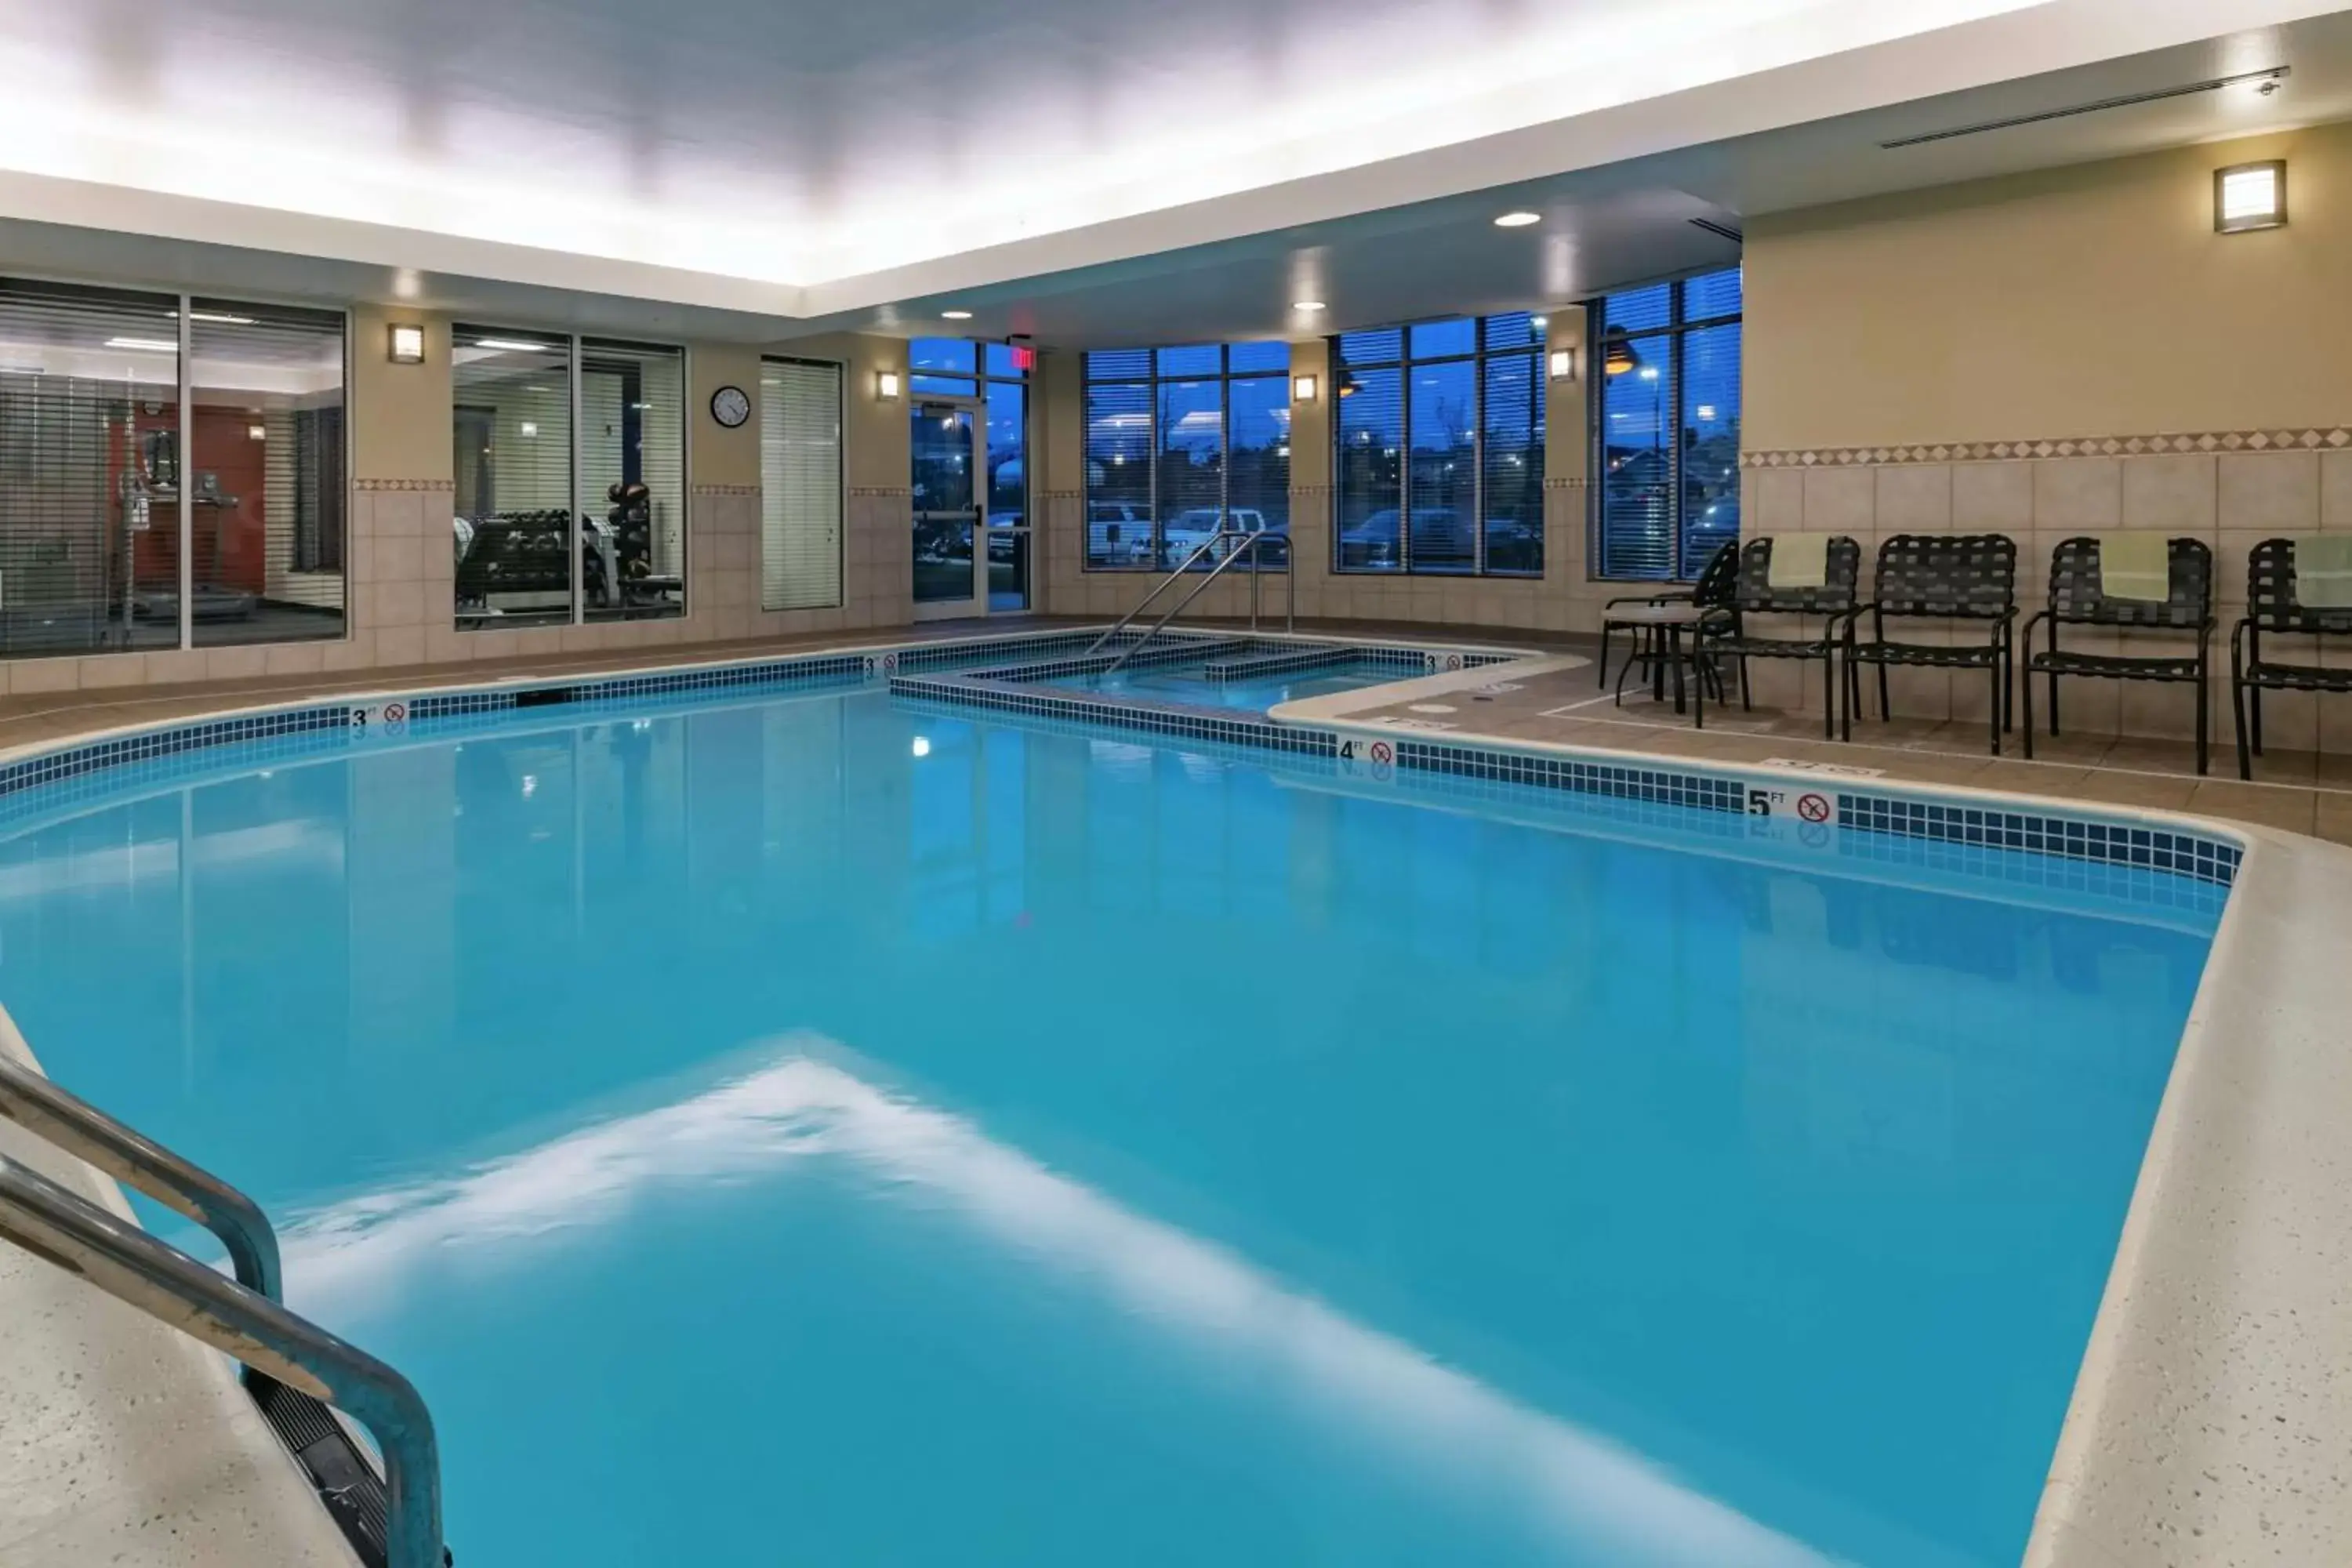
2214, 1405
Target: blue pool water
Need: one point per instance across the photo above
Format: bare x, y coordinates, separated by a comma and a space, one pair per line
818, 1131
1184, 683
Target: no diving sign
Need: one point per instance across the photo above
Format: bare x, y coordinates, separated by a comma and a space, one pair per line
1373, 759
379, 718
1810, 813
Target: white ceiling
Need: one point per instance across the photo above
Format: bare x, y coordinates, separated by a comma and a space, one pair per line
748, 168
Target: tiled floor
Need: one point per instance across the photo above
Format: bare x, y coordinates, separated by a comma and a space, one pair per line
2297, 791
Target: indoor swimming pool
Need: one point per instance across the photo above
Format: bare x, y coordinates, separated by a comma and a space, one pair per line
819, 1128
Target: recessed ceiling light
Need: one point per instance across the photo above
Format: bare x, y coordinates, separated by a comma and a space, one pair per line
955, 315
1517, 219
1307, 304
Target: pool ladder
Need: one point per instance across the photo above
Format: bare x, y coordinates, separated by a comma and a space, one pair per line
293, 1369
1250, 543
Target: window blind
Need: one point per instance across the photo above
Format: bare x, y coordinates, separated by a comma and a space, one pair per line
800, 478
89, 519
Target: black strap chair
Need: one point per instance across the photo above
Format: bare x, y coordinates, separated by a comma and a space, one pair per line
1712, 588
2273, 607
1941, 577
1725, 632
2078, 598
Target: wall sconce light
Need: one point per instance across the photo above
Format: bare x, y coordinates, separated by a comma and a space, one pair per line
407, 344
1302, 388
2248, 197
1563, 364
886, 385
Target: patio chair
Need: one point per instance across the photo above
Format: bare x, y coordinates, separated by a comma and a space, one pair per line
1725, 632
2276, 603
2080, 596
1712, 588
1938, 576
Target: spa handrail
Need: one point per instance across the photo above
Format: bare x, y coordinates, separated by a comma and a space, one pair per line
93, 1137
1249, 545
1164, 585
119, 1257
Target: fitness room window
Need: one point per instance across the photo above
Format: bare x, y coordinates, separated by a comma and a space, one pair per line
800, 484
527, 554
269, 504
633, 473
1181, 442
102, 548
1666, 427
1439, 448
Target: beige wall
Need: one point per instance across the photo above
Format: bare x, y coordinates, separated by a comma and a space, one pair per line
2094, 301
2060, 354
716, 455
399, 413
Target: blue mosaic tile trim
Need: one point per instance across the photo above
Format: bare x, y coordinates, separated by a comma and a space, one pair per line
1663, 787
1158, 719
126, 750
1290, 661
2116, 843
932, 656
63, 797
1094, 664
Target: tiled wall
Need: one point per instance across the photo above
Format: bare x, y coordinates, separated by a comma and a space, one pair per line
2296, 482
404, 588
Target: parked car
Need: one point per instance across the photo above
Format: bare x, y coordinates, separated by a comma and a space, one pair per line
1118, 534
1195, 525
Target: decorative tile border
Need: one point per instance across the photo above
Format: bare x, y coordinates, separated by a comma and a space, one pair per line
1655, 785
2306, 440
905, 492
1222, 671
1220, 725
2140, 845
728, 489
449, 485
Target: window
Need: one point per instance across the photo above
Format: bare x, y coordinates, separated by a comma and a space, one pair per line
800, 485
1666, 426
534, 415
1439, 448
123, 526
633, 471
1183, 443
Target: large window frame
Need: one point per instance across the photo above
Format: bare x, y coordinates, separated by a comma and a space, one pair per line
1655, 348
1151, 373
582, 357
1499, 349
176, 319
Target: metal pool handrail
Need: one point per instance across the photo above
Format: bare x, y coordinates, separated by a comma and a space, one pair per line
169, 1285
1249, 546
93, 1137
1164, 585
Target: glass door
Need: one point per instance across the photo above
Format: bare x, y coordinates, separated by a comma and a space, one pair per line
950, 509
